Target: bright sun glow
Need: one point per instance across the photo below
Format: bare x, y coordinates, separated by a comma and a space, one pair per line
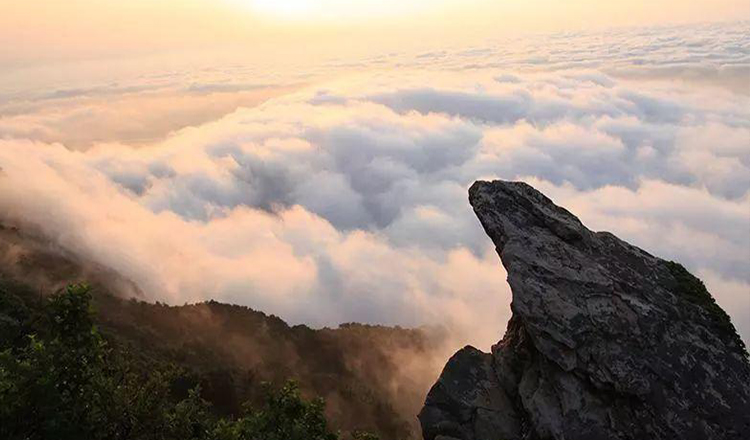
337, 9
285, 8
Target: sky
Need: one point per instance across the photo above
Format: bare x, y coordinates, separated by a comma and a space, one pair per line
312, 159
43, 31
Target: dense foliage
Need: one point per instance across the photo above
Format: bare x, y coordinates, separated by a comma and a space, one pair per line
693, 289
372, 377
60, 379
231, 351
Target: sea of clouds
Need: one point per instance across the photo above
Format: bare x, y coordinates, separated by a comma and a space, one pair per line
341, 194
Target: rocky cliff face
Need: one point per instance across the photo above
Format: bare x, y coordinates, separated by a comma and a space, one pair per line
606, 341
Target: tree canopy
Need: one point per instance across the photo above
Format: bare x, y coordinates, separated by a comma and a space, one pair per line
60, 379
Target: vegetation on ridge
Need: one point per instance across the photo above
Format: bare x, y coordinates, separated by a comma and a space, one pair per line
61, 379
693, 289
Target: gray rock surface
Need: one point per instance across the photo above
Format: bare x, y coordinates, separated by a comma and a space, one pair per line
606, 341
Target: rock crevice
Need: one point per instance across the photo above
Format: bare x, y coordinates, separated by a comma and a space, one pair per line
606, 341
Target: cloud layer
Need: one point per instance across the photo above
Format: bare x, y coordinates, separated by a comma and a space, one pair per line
346, 200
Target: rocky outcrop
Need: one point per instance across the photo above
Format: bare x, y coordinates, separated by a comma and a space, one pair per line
606, 341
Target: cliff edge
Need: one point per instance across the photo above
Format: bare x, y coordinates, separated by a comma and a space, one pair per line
606, 341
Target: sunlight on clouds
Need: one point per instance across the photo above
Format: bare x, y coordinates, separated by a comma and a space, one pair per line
285, 8
39, 32
306, 10
344, 198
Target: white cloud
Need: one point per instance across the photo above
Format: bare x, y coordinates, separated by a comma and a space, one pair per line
346, 201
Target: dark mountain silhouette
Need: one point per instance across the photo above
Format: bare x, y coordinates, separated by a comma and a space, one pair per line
373, 378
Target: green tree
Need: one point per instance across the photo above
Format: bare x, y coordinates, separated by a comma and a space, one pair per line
52, 387
285, 416
64, 382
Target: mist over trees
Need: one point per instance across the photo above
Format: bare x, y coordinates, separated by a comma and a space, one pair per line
61, 379
373, 378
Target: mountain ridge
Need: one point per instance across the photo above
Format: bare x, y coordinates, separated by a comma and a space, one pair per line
372, 377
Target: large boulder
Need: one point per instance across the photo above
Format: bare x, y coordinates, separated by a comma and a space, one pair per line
606, 341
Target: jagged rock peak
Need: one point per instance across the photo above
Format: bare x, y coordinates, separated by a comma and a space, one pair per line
606, 341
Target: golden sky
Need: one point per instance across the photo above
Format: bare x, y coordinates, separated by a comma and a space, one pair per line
33, 31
